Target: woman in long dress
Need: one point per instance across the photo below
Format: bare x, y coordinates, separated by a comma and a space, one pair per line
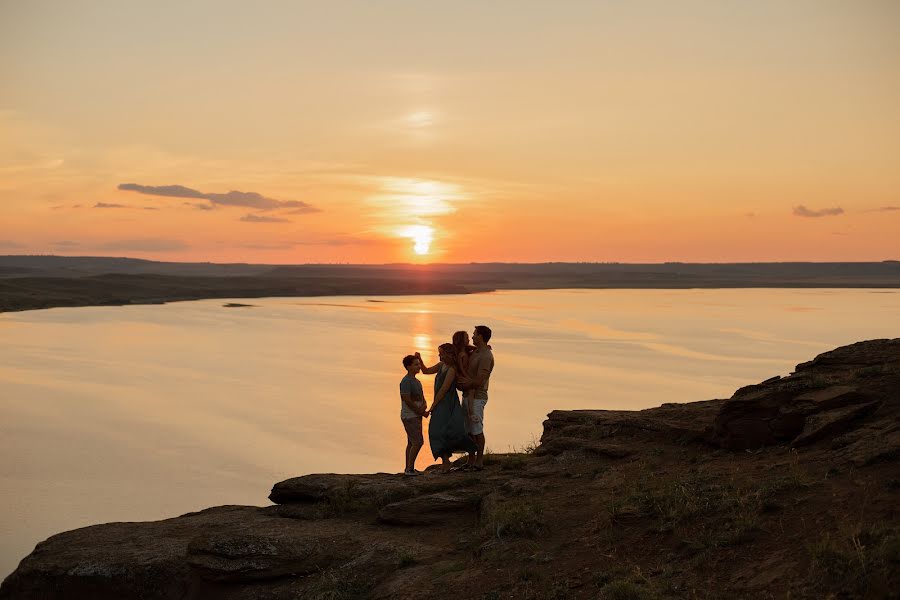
447, 429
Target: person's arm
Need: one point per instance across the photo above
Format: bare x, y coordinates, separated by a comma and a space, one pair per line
411, 403
463, 364
445, 387
428, 370
484, 371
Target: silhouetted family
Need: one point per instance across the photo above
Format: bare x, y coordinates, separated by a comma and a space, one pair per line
453, 427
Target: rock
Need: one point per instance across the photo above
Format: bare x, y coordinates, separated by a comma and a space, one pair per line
821, 399
118, 560
430, 509
832, 422
343, 488
237, 556
584, 429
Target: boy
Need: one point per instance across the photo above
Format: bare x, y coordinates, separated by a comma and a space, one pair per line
412, 409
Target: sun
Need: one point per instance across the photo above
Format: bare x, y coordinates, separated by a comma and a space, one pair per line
421, 236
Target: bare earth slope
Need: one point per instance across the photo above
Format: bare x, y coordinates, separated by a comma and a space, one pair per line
787, 490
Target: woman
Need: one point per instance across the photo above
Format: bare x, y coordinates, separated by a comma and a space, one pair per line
446, 429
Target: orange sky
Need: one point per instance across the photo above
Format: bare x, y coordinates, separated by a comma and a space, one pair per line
454, 132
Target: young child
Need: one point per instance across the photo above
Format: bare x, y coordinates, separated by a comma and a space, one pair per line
412, 409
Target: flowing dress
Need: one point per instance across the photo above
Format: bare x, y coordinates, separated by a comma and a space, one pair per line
447, 427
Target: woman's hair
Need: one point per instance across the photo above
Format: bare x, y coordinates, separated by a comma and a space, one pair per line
459, 341
450, 351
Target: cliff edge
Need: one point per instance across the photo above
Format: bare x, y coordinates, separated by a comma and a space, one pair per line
787, 489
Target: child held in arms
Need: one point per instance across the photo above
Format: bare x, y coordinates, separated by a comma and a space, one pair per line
412, 409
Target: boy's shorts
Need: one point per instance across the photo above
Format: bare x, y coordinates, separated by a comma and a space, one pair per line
413, 427
477, 427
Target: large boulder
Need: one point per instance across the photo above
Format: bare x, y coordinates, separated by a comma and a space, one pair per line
592, 431
826, 397
430, 509
343, 489
118, 560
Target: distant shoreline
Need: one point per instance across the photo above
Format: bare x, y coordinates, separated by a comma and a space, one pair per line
39, 282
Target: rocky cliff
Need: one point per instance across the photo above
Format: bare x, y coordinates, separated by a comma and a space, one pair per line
788, 489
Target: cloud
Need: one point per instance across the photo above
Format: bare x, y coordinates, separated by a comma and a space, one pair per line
65, 244
263, 219
232, 198
151, 208
109, 205
288, 244
173, 191
802, 211
11, 244
270, 246
885, 209
199, 206
145, 245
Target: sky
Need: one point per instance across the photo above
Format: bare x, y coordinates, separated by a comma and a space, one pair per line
377, 132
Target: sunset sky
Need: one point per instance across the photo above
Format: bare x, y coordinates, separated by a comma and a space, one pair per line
388, 131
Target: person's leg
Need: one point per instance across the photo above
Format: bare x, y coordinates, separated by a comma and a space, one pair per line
469, 403
478, 431
414, 453
408, 449
416, 440
479, 443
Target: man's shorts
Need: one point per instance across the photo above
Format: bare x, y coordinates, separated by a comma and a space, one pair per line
413, 427
477, 427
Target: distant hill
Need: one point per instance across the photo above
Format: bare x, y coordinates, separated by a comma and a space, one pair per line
28, 282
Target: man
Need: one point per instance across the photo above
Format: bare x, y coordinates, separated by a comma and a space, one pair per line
412, 409
481, 364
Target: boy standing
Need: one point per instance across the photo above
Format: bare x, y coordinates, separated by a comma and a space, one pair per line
412, 409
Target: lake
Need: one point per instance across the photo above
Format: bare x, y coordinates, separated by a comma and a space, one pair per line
146, 412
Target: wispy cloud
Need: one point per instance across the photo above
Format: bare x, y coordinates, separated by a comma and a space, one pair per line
65, 244
11, 244
199, 206
263, 219
802, 211
288, 244
109, 205
145, 245
232, 198
884, 209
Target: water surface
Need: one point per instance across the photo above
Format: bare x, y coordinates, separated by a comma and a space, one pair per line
147, 412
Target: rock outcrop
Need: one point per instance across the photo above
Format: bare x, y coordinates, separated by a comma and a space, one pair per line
824, 398
663, 502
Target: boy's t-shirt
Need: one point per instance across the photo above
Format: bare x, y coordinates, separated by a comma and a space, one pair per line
412, 386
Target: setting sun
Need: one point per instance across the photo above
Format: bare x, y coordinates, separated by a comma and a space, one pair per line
421, 235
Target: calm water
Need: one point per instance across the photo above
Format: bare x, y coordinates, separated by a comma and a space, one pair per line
146, 412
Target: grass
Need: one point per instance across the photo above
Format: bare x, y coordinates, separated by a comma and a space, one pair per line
406, 558
864, 562
624, 589
339, 584
515, 517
